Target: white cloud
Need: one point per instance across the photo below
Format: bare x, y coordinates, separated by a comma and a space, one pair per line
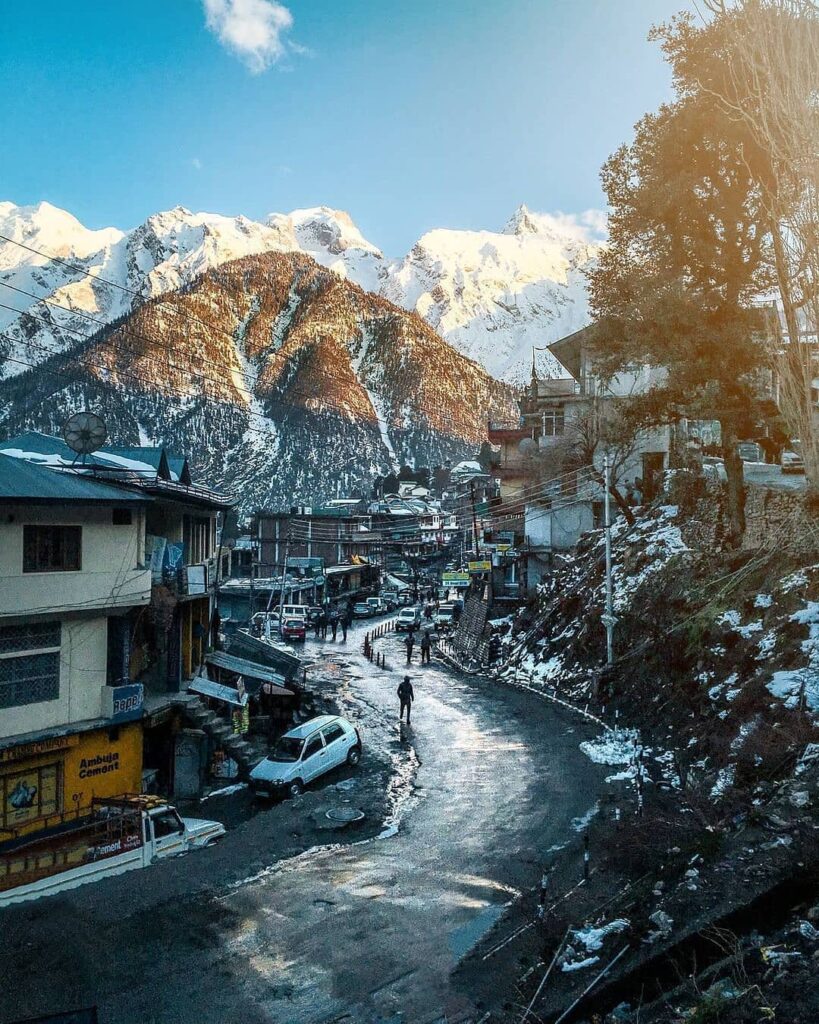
588, 226
252, 29
197, 163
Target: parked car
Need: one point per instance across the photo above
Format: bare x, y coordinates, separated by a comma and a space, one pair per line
378, 605
313, 613
390, 599
405, 598
305, 753
294, 629
362, 610
409, 619
791, 459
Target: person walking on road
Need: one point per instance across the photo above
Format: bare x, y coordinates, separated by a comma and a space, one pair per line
323, 624
410, 643
426, 648
406, 695
345, 622
334, 622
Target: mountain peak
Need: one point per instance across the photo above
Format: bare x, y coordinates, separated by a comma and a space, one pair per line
522, 222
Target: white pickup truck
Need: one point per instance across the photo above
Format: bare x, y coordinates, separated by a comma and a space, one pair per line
115, 836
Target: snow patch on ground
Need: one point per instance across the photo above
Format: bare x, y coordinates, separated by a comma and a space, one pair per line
593, 938
725, 779
578, 965
612, 748
732, 620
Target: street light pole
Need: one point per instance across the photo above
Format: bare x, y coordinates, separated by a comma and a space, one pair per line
609, 620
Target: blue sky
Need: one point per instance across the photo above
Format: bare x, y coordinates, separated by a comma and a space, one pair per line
410, 114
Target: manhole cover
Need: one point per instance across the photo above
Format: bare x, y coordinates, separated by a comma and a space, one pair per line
345, 815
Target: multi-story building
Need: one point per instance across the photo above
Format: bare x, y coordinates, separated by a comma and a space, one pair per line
72, 572
144, 520
564, 423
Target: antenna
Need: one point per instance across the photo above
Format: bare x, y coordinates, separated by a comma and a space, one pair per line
85, 432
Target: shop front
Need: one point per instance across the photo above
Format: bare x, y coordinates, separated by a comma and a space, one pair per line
47, 781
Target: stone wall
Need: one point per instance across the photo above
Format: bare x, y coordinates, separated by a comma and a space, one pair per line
775, 517
779, 518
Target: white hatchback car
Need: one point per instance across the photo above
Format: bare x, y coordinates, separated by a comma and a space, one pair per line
305, 753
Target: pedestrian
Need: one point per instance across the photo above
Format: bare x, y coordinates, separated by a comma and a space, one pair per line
317, 623
406, 695
426, 648
409, 644
343, 622
323, 625
334, 622
428, 611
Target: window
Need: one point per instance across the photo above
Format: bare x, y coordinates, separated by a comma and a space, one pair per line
29, 663
167, 824
52, 548
30, 794
121, 517
332, 733
313, 747
552, 422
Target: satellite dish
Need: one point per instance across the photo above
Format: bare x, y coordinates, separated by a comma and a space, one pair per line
528, 446
85, 432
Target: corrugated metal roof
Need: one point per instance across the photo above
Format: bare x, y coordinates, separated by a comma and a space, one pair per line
243, 667
140, 464
22, 481
153, 456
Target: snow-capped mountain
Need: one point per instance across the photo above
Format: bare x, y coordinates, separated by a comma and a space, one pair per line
496, 295
280, 379
492, 295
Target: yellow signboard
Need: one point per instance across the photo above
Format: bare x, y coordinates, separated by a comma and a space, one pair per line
38, 747
480, 566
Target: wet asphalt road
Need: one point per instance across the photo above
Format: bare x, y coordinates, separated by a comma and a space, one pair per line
487, 780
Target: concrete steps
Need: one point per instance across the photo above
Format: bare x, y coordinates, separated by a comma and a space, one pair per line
247, 751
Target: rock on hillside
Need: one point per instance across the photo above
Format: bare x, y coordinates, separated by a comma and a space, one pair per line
283, 381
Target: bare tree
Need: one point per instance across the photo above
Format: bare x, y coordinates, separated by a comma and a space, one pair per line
771, 84
601, 428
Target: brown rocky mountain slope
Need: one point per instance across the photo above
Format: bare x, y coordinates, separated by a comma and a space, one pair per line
283, 381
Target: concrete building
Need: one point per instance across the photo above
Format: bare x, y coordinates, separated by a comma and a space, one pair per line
72, 569
144, 558
564, 423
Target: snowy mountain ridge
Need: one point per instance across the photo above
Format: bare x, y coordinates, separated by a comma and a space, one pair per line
280, 379
492, 295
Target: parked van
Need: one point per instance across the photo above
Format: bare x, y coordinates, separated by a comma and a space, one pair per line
295, 611
445, 616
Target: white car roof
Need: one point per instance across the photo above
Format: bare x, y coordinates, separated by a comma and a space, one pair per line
301, 732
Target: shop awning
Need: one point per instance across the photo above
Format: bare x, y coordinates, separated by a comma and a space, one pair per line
208, 688
250, 670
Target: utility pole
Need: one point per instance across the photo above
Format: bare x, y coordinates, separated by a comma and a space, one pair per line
609, 620
474, 517
284, 574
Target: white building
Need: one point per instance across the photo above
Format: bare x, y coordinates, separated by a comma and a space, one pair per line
72, 565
